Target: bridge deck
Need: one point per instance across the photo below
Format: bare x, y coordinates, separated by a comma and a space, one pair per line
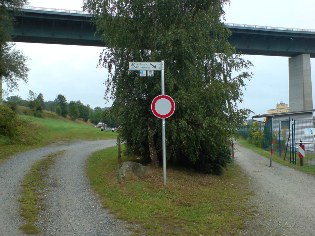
76, 28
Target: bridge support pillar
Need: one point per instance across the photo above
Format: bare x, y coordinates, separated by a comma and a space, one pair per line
300, 83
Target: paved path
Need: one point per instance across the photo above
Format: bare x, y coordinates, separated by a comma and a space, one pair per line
285, 198
72, 208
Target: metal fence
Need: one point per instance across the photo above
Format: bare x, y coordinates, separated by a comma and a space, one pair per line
286, 134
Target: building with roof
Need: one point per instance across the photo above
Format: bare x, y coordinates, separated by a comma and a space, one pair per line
280, 108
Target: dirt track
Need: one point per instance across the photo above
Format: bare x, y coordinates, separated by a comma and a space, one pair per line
72, 208
285, 198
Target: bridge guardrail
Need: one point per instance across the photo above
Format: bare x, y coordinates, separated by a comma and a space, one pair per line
56, 10
270, 27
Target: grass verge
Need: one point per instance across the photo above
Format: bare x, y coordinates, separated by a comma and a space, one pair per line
63, 129
31, 198
37, 132
190, 204
309, 169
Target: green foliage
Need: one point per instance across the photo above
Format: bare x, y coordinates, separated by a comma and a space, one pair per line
73, 110
13, 102
12, 66
106, 115
96, 115
6, 21
5, 25
12, 62
256, 134
200, 68
40, 101
58, 110
14, 130
84, 111
12, 3
50, 106
62, 105
8, 123
78, 110
36, 103
109, 118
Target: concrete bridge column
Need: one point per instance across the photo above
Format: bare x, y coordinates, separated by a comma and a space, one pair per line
300, 83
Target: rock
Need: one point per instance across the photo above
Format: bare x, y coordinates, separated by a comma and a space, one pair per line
130, 169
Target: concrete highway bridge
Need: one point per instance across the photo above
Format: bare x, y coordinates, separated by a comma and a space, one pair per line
53, 26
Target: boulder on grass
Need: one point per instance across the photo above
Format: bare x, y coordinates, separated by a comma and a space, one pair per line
130, 169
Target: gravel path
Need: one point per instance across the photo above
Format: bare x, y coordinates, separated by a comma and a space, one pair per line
285, 198
72, 209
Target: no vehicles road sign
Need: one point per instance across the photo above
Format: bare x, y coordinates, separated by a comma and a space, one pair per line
163, 106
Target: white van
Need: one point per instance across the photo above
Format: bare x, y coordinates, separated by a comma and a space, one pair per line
100, 125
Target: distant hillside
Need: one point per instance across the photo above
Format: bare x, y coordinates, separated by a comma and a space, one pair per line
32, 132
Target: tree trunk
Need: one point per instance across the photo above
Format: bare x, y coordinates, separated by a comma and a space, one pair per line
119, 150
1, 89
152, 149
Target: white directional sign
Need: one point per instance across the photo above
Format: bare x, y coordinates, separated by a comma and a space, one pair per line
145, 66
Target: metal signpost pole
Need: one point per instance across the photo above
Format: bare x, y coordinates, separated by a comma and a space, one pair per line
162, 106
163, 126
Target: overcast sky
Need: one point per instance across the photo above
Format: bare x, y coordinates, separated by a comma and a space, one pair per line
72, 70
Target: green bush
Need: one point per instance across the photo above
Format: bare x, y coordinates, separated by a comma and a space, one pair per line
27, 112
256, 136
14, 130
8, 123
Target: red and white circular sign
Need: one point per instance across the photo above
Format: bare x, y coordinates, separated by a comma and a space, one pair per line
163, 106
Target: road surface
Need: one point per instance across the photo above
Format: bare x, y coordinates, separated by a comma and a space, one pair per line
71, 207
284, 197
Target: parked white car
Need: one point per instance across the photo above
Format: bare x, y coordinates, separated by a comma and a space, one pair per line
100, 125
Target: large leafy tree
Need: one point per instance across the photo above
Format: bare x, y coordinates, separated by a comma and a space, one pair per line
36, 103
203, 75
109, 118
12, 62
14, 101
62, 105
96, 115
73, 110
84, 111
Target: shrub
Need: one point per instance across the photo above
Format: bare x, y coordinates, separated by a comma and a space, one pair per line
8, 122
256, 136
15, 130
